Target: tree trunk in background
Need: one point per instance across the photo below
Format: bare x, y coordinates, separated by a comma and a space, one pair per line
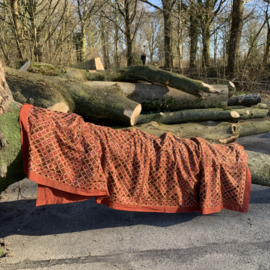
18, 32
104, 44
116, 39
193, 35
179, 36
267, 45
167, 37
64, 33
235, 38
128, 34
206, 45
215, 49
82, 43
11, 166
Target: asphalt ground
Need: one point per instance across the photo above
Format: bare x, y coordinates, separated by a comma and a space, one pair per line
88, 236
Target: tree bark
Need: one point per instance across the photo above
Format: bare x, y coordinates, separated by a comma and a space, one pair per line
153, 74
18, 32
245, 100
235, 37
10, 146
267, 45
206, 44
158, 97
179, 36
213, 132
104, 44
167, 37
193, 35
203, 115
82, 42
128, 34
44, 91
135, 73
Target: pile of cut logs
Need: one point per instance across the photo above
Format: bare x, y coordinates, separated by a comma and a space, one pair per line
143, 97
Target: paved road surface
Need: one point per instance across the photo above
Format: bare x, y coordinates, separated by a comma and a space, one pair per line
89, 236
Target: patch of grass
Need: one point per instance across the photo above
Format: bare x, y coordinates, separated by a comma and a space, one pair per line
2, 252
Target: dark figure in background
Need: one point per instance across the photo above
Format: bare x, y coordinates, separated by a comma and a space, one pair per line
143, 58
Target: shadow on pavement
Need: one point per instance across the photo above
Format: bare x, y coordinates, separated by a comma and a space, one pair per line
23, 217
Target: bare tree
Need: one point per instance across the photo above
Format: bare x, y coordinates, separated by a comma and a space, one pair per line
167, 7
193, 32
235, 37
86, 9
207, 13
267, 45
128, 11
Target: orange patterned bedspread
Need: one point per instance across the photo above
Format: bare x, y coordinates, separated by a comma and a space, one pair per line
72, 160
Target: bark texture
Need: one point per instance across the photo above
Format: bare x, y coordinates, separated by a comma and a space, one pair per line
245, 100
212, 131
44, 91
11, 169
235, 37
203, 115
156, 75
133, 73
160, 97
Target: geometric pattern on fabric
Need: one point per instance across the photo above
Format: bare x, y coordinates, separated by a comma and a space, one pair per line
135, 170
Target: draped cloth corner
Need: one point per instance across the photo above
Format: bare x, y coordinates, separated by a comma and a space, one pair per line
72, 160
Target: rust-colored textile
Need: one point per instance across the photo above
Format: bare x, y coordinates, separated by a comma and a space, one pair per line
130, 170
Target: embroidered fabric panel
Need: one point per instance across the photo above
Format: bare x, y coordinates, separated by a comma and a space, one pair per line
134, 167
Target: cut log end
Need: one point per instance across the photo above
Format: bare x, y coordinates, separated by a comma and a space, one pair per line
235, 114
59, 107
134, 114
231, 84
210, 88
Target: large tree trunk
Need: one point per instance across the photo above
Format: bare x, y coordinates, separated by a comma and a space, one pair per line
136, 73
11, 166
206, 44
203, 115
213, 132
193, 35
156, 75
11, 169
235, 37
245, 100
104, 44
167, 38
108, 103
82, 42
18, 31
158, 97
267, 45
